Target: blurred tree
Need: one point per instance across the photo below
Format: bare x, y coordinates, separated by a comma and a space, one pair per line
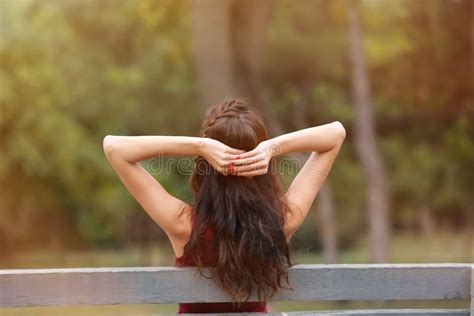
212, 50
365, 142
251, 22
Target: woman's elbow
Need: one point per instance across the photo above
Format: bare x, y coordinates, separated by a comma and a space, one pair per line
109, 145
340, 130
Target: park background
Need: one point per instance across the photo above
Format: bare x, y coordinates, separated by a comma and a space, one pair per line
397, 73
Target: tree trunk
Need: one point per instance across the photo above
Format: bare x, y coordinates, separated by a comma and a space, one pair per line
365, 142
212, 51
426, 223
251, 25
327, 223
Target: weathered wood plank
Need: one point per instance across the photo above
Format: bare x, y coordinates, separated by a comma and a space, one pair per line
42, 287
375, 312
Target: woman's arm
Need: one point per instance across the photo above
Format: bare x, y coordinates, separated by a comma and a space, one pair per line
324, 141
137, 148
124, 153
317, 139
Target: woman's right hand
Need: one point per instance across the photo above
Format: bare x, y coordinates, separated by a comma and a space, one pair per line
257, 161
219, 155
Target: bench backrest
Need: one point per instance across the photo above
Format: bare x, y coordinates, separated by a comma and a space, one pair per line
90, 286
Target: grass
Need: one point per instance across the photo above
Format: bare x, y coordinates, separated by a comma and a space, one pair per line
405, 248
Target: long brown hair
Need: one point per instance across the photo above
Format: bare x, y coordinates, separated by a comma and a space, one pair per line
245, 215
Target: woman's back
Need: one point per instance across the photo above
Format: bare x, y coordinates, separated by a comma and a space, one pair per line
209, 259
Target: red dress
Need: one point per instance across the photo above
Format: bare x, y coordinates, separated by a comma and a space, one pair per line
210, 260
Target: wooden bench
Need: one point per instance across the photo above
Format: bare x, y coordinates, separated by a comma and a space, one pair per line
311, 282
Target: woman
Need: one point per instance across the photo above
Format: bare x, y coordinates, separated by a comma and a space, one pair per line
241, 221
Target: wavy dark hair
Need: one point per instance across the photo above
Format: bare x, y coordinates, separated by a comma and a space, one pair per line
246, 215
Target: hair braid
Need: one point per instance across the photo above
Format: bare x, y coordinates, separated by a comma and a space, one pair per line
231, 108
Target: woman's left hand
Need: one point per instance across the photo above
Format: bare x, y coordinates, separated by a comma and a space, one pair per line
219, 155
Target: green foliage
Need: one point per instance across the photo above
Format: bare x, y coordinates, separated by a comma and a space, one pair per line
72, 72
